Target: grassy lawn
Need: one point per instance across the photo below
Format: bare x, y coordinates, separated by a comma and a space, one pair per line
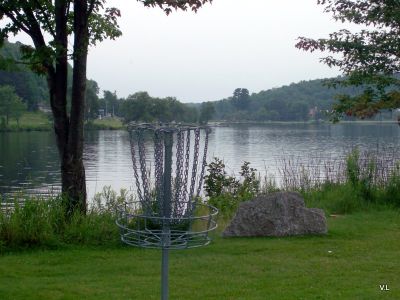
41, 121
31, 121
106, 123
360, 253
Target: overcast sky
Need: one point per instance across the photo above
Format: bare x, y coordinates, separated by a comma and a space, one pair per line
205, 56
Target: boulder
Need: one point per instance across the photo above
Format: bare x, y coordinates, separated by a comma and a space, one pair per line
277, 214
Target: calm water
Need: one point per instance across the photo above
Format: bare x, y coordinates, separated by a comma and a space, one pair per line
29, 161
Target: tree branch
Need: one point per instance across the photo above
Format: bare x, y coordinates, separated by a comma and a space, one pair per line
46, 19
15, 20
91, 8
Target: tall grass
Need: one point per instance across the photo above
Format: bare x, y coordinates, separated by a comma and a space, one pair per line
40, 222
358, 181
309, 172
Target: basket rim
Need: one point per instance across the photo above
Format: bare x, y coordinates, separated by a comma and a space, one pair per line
213, 212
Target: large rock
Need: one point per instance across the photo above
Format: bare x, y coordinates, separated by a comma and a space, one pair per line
277, 214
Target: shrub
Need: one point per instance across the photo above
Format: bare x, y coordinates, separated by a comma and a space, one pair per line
226, 192
218, 182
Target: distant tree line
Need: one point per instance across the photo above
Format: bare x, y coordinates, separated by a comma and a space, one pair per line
303, 101
141, 107
31, 91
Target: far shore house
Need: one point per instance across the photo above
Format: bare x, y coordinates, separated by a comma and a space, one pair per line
313, 112
44, 108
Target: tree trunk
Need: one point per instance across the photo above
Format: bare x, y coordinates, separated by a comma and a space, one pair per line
68, 131
73, 171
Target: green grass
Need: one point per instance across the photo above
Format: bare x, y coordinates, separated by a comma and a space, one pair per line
359, 253
106, 123
30, 121
39, 121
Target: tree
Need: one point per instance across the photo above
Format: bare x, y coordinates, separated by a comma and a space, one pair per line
111, 102
207, 111
18, 109
10, 104
92, 100
241, 98
370, 58
86, 22
142, 107
29, 86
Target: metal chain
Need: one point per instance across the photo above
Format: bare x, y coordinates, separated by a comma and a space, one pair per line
187, 160
135, 171
180, 140
143, 169
194, 168
184, 191
158, 167
204, 163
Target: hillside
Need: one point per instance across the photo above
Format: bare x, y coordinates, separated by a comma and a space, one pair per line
30, 87
306, 100
303, 101
33, 88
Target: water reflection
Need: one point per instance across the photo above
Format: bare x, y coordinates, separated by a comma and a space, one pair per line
108, 161
29, 160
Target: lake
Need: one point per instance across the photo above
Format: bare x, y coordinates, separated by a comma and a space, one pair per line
29, 160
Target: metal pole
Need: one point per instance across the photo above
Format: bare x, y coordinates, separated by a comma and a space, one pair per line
168, 142
164, 274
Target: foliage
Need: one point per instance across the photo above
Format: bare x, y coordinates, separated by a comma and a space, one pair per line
36, 222
11, 106
207, 112
31, 87
142, 107
110, 103
217, 181
108, 200
303, 101
92, 100
369, 58
365, 182
226, 192
241, 98
60, 30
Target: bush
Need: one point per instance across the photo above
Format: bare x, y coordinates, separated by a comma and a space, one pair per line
226, 192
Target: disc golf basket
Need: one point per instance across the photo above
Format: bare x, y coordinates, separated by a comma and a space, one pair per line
168, 213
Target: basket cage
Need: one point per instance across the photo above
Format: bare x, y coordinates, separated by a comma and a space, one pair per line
169, 212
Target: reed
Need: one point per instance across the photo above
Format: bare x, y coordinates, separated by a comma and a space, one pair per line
32, 222
359, 180
310, 172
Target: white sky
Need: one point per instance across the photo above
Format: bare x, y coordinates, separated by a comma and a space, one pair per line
205, 56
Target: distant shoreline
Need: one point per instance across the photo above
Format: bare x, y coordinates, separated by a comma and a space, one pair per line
116, 124
40, 121
360, 122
